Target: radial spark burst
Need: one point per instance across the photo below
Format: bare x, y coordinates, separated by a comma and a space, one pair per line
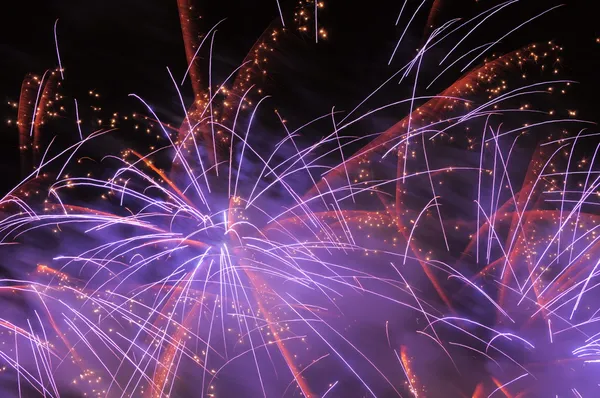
455, 253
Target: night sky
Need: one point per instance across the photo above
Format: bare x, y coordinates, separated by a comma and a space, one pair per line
117, 47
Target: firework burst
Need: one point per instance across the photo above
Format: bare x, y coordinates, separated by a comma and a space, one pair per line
444, 257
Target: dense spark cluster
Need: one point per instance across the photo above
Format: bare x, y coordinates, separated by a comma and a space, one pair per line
455, 253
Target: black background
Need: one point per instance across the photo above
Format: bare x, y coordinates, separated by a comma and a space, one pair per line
117, 47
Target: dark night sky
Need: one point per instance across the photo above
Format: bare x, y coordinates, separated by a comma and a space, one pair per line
123, 46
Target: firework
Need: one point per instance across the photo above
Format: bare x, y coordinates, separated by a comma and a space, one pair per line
432, 261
